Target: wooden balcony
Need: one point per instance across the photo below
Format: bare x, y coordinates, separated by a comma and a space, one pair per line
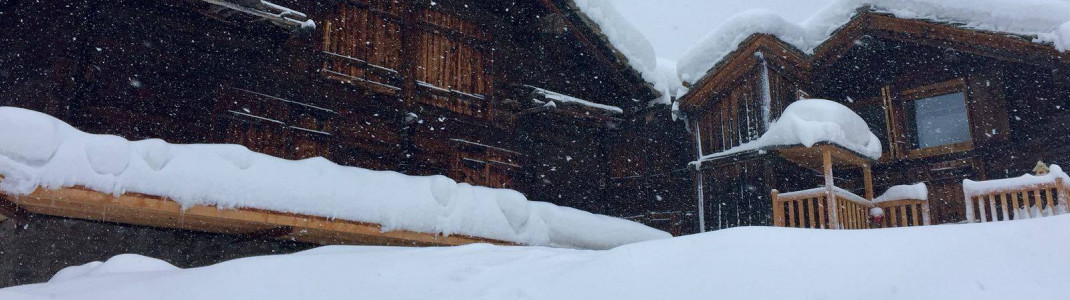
1019, 198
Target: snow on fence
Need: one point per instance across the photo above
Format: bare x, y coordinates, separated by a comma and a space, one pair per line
904, 206
1025, 197
808, 209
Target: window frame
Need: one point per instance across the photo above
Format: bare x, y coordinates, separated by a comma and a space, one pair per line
953, 86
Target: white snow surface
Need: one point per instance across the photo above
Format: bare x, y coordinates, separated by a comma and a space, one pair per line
972, 188
39, 150
1047, 21
810, 121
916, 191
998, 260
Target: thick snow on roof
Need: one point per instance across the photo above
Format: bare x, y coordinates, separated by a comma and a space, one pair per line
810, 121
997, 260
633, 45
38, 150
1048, 21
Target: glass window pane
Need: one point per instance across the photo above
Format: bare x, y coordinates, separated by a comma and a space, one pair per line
941, 120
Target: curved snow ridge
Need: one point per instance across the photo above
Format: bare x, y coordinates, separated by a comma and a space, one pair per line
1048, 21
39, 150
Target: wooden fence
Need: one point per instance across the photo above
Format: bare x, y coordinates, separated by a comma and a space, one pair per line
1015, 198
807, 209
905, 213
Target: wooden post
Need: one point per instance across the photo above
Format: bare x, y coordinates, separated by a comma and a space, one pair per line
778, 210
969, 209
1061, 190
867, 176
830, 195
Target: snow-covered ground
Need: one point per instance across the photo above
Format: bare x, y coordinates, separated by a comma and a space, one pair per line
1003, 260
39, 150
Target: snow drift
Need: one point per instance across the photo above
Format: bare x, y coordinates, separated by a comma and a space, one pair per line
1047, 21
811, 121
38, 150
1002, 260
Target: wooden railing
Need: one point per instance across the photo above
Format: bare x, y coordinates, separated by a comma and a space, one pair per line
904, 213
808, 209
1015, 198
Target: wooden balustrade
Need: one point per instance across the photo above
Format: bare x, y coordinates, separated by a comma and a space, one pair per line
904, 213
1026, 201
807, 209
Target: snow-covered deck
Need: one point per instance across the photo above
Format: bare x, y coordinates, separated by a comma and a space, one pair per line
52, 168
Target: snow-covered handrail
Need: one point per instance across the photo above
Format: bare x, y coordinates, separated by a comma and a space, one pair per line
1024, 197
797, 209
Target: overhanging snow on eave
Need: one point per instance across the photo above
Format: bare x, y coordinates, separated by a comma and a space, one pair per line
279, 15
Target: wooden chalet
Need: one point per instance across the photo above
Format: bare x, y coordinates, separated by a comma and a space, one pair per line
475, 90
948, 103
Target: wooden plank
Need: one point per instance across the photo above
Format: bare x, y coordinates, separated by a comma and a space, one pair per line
903, 221
822, 210
791, 214
1061, 189
812, 205
1050, 200
160, 212
892, 216
981, 208
917, 217
867, 177
778, 209
1025, 203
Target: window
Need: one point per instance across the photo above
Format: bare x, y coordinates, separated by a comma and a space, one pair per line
938, 121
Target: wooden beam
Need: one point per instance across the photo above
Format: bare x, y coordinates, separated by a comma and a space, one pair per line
867, 176
146, 210
263, 234
830, 194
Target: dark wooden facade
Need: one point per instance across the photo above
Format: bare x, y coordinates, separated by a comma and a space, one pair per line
1016, 96
415, 86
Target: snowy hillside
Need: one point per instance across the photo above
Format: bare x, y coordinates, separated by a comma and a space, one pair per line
1004, 260
38, 150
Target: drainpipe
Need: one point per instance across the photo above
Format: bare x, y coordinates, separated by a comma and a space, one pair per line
699, 195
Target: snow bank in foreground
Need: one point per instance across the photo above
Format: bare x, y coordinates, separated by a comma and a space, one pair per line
916, 191
811, 121
1001, 260
38, 150
1046, 20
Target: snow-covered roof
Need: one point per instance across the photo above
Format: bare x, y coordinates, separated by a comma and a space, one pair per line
39, 150
1046, 21
622, 34
998, 260
634, 46
811, 121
